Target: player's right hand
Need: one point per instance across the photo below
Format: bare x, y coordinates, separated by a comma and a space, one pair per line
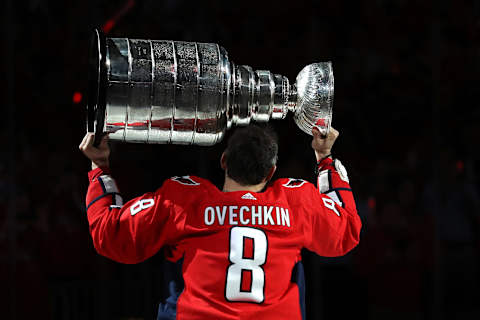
322, 145
98, 155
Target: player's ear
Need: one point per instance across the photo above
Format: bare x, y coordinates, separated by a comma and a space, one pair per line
270, 173
223, 161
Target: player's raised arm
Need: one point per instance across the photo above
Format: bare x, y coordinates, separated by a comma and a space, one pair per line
334, 225
127, 233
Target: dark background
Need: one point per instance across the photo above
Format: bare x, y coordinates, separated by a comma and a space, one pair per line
406, 94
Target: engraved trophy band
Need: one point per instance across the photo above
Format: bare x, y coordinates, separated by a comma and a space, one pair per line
159, 91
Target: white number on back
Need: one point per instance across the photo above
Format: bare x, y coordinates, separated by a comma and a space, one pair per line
242, 265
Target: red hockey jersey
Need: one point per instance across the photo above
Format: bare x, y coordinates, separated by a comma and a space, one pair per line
239, 248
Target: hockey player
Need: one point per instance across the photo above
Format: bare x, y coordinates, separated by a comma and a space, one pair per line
241, 244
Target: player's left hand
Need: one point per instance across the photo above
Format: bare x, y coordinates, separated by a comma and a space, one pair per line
99, 155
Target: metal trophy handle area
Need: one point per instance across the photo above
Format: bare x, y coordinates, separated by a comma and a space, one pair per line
158, 91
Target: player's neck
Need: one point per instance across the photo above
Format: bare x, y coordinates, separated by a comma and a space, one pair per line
231, 185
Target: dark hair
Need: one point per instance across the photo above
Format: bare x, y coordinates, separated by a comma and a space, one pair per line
250, 154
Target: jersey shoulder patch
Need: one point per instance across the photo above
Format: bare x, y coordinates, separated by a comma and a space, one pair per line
294, 183
185, 180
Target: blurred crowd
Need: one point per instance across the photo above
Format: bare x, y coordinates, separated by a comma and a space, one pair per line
405, 105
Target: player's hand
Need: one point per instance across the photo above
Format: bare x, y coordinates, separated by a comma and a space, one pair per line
99, 155
322, 145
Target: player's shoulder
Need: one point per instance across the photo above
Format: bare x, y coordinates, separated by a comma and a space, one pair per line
291, 184
294, 190
187, 183
184, 191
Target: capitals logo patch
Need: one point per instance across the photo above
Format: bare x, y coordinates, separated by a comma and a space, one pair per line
186, 180
294, 183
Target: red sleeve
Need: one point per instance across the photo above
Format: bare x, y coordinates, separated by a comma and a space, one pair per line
131, 232
333, 225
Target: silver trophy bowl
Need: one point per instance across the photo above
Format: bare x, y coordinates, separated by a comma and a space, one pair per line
159, 91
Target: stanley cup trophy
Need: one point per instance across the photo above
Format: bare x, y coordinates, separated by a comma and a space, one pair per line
157, 91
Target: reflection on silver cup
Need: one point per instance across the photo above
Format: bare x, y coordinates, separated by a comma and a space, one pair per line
158, 91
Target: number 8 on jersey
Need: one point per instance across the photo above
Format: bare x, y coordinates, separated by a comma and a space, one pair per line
240, 264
